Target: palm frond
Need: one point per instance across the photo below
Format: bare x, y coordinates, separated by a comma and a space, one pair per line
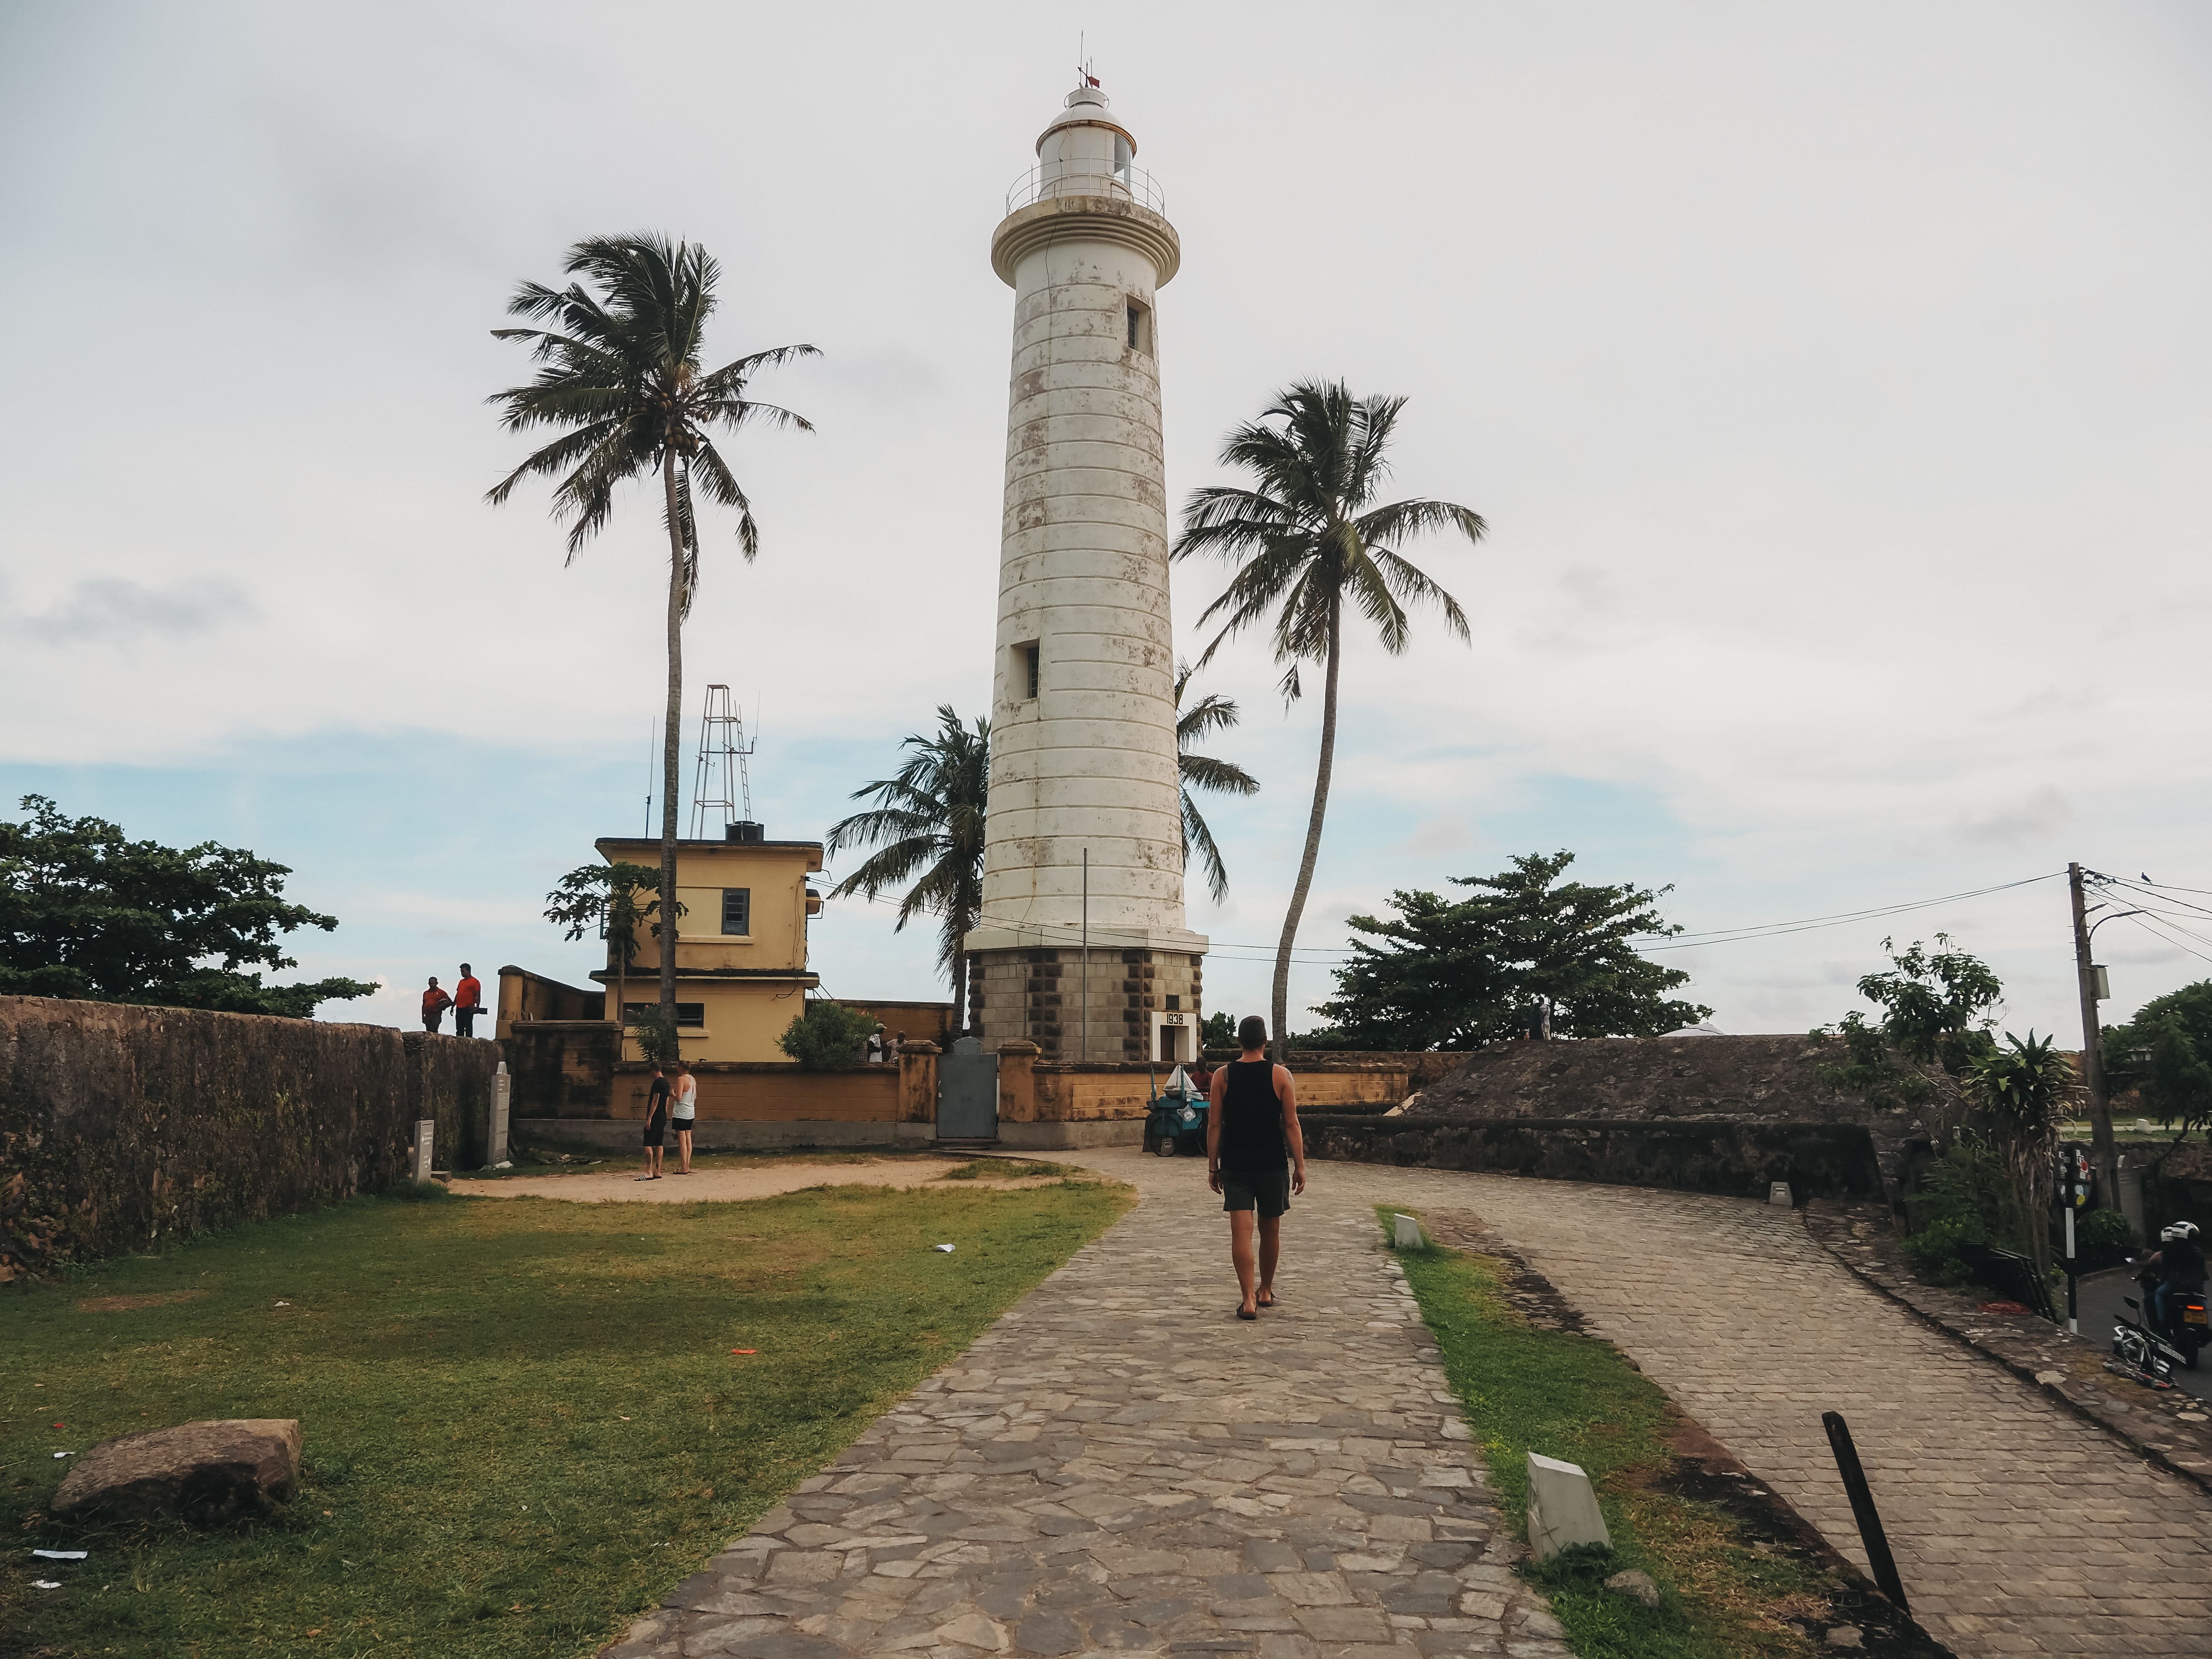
1221, 776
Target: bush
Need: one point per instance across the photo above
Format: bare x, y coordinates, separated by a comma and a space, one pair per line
2103, 1238
1934, 1249
826, 1035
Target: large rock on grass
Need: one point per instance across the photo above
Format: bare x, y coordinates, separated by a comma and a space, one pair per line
207, 1472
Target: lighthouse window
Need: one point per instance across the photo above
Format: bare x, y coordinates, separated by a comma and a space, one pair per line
1026, 665
1139, 334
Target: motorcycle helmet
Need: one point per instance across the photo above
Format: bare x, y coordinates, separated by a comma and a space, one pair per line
2179, 1232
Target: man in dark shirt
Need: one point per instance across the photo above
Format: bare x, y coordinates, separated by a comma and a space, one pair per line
1256, 1158
2179, 1261
656, 1123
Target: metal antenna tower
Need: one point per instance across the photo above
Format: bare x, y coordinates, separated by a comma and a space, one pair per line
724, 750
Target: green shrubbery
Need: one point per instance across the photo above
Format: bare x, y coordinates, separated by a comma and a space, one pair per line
826, 1035
1966, 1199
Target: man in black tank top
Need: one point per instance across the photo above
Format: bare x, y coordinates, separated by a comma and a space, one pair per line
1255, 1159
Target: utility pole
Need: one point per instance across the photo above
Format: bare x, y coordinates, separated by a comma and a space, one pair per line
2092, 1049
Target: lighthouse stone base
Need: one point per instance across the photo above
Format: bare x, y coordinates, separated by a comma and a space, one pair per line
1036, 994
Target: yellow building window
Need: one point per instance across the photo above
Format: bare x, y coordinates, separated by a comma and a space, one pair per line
736, 909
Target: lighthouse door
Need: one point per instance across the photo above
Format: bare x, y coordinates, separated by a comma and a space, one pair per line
968, 1093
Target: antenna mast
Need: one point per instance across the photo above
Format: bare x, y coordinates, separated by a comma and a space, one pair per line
724, 782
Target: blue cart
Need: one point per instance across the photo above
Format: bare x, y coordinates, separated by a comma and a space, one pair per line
1175, 1119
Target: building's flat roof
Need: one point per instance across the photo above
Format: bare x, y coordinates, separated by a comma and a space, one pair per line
813, 846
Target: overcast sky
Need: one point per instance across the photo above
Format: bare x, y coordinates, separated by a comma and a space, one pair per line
1833, 380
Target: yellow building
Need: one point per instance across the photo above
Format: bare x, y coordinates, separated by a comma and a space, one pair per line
741, 973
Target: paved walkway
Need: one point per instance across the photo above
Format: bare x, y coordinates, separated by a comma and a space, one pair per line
1120, 1465
2018, 1528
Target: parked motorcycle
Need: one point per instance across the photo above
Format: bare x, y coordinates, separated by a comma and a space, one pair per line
2149, 1348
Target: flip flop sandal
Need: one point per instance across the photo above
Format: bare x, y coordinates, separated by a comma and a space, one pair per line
1243, 1312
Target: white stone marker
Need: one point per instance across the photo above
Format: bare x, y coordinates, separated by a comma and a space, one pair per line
425, 1128
1405, 1232
1563, 1509
1778, 1192
496, 1141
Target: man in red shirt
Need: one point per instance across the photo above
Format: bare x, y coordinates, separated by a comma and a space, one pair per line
468, 997
434, 1004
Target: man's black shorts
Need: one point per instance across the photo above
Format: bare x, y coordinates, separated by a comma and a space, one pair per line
1267, 1191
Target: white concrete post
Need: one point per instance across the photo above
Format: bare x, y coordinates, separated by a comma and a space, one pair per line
425, 1129
496, 1136
1563, 1509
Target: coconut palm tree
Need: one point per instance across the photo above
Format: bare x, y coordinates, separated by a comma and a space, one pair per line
623, 383
1211, 713
1312, 541
928, 828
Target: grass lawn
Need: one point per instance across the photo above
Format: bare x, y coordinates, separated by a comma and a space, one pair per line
1726, 1591
523, 1421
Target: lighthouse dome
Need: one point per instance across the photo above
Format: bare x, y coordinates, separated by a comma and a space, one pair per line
1085, 138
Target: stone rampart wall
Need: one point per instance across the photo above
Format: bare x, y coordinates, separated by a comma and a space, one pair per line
122, 1126
1818, 1160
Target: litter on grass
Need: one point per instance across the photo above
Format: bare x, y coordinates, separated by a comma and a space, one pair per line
44, 1583
744, 1351
945, 1250
61, 1555
65, 1454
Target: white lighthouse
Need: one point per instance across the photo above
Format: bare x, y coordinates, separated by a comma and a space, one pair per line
1085, 791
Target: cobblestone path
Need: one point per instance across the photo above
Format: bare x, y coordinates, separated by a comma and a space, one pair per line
1120, 1465
2018, 1528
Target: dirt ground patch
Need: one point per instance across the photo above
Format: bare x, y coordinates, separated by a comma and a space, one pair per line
125, 1304
621, 1184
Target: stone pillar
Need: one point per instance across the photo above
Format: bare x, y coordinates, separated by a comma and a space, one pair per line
1085, 783
918, 1082
426, 1130
501, 1105
1018, 1081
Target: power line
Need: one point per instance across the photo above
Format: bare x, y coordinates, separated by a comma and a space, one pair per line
1228, 949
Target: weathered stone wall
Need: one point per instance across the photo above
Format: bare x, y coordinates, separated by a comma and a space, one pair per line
121, 1125
1750, 1080
1730, 1156
561, 1068
1035, 996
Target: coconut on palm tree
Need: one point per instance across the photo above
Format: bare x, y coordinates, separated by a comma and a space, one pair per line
1308, 540
1211, 713
927, 826
622, 382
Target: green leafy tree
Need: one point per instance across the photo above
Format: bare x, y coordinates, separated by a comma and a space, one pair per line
605, 898
928, 828
1459, 973
2021, 1092
2162, 1054
87, 913
1211, 713
1934, 1012
625, 384
1218, 1030
826, 1035
1310, 541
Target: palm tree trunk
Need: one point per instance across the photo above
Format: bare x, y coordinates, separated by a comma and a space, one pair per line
671, 745
1282, 1007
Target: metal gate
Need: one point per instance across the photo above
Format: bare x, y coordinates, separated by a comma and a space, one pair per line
968, 1093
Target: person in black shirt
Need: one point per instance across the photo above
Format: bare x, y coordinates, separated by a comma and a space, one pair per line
2178, 1262
1255, 1159
656, 1123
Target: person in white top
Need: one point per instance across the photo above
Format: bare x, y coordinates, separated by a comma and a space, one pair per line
681, 1110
